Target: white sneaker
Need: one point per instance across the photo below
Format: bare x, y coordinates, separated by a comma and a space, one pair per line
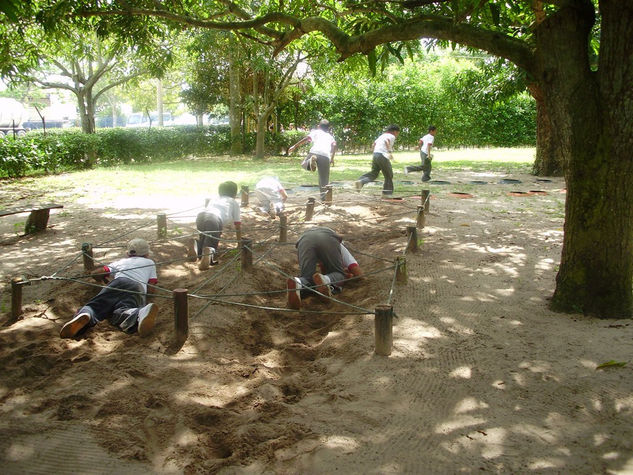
406, 170
358, 184
72, 327
213, 260
146, 319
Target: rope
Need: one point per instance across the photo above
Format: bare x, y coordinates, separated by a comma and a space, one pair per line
282, 309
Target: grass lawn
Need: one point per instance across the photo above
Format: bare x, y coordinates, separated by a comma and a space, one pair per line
201, 176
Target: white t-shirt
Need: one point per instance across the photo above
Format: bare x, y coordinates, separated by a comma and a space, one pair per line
321, 142
226, 208
427, 140
384, 144
139, 269
268, 183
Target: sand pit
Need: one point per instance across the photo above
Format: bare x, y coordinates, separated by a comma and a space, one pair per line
482, 377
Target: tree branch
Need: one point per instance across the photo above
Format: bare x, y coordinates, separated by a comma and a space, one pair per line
429, 26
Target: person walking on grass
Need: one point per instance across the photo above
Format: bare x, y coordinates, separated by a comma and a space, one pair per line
220, 212
321, 154
322, 247
426, 143
123, 300
381, 161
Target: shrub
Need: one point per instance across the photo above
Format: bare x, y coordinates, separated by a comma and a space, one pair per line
59, 150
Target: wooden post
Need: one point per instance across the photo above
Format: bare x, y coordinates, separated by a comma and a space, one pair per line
16, 297
328, 195
401, 270
244, 195
309, 209
283, 228
247, 254
426, 200
205, 261
421, 217
86, 251
412, 236
37, 221
181, 315
161, 225
383, 329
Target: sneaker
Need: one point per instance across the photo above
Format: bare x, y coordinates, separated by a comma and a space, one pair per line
406, 170
358, 184
213, 259
294, 293
313, 163
75, 325
322, 285
146, 319
426, 178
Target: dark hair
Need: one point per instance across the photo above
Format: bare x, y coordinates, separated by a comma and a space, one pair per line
228, 188
392, 128
324, 125
432, 128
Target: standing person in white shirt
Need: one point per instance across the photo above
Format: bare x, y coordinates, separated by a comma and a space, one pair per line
123, 301
221, 212
426, 143
381, 161
321, 154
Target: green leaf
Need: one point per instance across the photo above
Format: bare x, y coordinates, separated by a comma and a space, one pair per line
611, 364
9, 8
371, 59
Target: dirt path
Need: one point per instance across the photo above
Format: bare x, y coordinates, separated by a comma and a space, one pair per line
483, 377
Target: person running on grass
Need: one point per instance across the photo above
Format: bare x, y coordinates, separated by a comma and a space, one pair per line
321, 154
426, 143
381, 161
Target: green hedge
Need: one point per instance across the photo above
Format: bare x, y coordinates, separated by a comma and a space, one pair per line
60, 150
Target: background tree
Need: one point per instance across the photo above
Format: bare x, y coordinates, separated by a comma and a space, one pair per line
75, 60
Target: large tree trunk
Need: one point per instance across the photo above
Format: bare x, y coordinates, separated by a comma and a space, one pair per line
548, 160
592, 117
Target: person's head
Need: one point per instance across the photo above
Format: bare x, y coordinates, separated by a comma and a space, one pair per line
432, 129
393, 129
137, 247
228, 188
324, 125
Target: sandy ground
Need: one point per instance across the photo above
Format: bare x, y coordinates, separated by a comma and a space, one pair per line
482, 377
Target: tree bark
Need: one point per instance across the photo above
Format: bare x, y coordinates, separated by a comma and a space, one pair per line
234, 99
590, 115
548, 160
86, 110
